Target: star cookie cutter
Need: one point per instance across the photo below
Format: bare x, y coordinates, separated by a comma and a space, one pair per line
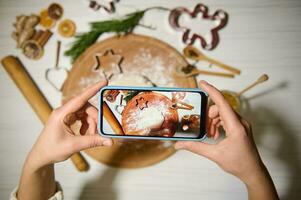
190, 38
141, 103
112, 61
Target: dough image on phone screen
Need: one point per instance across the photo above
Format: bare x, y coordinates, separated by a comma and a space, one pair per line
155, 113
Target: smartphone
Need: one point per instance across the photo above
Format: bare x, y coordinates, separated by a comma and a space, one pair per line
152, 113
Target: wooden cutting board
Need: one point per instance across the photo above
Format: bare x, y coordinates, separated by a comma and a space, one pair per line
140, 54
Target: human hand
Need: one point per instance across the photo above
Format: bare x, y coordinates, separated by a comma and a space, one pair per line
237, 153
57, 142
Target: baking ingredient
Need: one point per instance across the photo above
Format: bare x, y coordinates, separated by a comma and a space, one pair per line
130, 79
55, 11
155, 66
150, 119
232, 99
28, 38
45, 20
110, 95
24, 28
67, 28
33, 48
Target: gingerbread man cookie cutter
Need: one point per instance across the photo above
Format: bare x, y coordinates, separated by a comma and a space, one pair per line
190, 38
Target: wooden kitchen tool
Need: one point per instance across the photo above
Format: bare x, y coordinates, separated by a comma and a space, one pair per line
35, 98
111, 119
194, 54
234, 98
144, 55
191, 70
261, 79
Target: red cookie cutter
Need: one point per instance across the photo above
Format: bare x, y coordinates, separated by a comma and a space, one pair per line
189, 38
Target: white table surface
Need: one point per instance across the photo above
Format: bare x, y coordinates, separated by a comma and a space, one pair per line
262, 36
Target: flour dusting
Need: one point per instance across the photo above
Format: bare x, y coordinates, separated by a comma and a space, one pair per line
154, 67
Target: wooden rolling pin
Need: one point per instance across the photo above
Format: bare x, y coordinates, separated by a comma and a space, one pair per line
35, 98
111, 119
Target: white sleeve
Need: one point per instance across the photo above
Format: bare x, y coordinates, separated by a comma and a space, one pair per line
57, 196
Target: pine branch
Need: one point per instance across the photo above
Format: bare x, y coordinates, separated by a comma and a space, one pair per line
131, 94
84, 40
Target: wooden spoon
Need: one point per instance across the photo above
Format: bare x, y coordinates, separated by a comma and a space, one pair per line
195, 54
261, 79
191, 70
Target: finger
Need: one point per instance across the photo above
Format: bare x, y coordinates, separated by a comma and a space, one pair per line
78, 102
246, 124
92, 112
200, 148
208, 125
213, 111
84, 127
225, 111
216, 133
213, 126
70, 119
89, 141
92, 126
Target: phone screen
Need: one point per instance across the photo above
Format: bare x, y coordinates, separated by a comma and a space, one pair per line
163, 113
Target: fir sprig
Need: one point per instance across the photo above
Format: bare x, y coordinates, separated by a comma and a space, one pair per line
84, 40
119, 26
130, 95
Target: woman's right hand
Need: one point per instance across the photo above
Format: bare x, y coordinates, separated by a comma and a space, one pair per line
237, 153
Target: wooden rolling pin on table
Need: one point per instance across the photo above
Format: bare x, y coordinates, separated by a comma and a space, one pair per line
35, 98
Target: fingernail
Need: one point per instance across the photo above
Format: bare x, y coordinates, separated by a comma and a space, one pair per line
107, 143
203, 82
178, 147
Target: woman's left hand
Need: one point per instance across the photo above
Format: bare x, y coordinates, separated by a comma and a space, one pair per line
57, 142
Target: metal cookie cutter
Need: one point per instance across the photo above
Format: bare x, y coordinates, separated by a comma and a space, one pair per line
52, 74
188, 37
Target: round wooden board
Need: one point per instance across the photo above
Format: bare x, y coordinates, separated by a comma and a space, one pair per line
170, 115
140, 54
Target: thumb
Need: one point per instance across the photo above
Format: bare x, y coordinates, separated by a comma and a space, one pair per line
203, 149
90, 141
